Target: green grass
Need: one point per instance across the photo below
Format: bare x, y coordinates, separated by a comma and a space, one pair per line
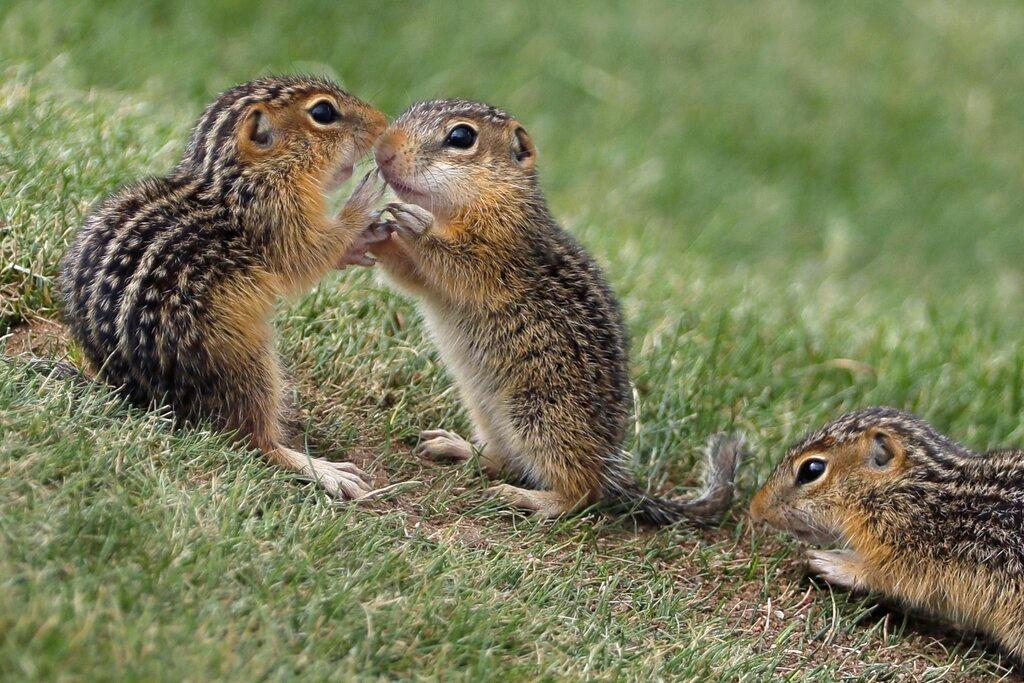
804, 206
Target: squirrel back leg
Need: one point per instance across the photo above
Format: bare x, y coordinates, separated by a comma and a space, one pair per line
255, 408
442, 445
340, 479
544, 503
564, 485
257, 414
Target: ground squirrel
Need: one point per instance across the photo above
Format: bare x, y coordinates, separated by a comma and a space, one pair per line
522, 315
920, 518
170, 284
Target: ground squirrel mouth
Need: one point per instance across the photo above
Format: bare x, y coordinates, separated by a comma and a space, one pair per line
398, 186
817, 537
800, 526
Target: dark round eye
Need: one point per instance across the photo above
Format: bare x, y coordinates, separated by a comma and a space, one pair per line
461, 136
810, 470
323, 112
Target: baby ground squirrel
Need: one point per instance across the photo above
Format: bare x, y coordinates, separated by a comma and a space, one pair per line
171, 283
522, 315
921, 519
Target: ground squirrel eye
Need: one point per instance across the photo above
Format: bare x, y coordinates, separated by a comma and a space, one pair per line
323, 112
461, 136
810, 470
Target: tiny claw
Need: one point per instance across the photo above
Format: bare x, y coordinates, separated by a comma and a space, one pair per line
355, 257
410, 219
378, 231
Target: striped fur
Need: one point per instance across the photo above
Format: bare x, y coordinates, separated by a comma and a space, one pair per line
169, 285
523, 317
939, 527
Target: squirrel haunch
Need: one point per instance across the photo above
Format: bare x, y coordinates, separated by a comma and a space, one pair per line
170, 284
523, 317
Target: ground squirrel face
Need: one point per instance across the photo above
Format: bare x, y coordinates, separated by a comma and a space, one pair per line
816, 487
456, 156
282, 130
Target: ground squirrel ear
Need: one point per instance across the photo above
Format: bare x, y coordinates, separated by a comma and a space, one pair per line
258, 129
523, 149
880, 450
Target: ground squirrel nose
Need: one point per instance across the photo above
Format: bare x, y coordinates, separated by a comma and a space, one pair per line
377, 122
388, 147
757, 507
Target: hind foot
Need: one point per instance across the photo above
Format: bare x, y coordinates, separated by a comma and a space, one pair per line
441, 445
543, 503
342, 480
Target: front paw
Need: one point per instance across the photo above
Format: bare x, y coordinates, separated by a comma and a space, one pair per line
410, 220
841, 568
375, 233
358, 210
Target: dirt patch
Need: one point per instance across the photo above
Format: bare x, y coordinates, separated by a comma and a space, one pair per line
768, 602
803, 618
41, 338
785, 611
779, 607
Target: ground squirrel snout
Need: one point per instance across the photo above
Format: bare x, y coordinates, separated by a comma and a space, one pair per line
522, 315
452, 156
171, 282
914, 515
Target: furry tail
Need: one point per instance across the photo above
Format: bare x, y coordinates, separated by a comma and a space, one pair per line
44, 366
722, 458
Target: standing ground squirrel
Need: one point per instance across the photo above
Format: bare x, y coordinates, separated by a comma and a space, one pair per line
921, 519
522, 316
171, 283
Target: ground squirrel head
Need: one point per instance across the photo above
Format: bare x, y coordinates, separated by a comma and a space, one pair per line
823, 482
457, 156
281, 130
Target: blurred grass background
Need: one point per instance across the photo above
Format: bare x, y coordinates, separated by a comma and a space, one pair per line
889, 132
805, 206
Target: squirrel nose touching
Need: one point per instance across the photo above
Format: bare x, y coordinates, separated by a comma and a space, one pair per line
384, 158
758, 508
387, 149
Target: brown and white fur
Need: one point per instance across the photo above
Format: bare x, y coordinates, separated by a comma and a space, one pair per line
911, 515
522, 315
171, 283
